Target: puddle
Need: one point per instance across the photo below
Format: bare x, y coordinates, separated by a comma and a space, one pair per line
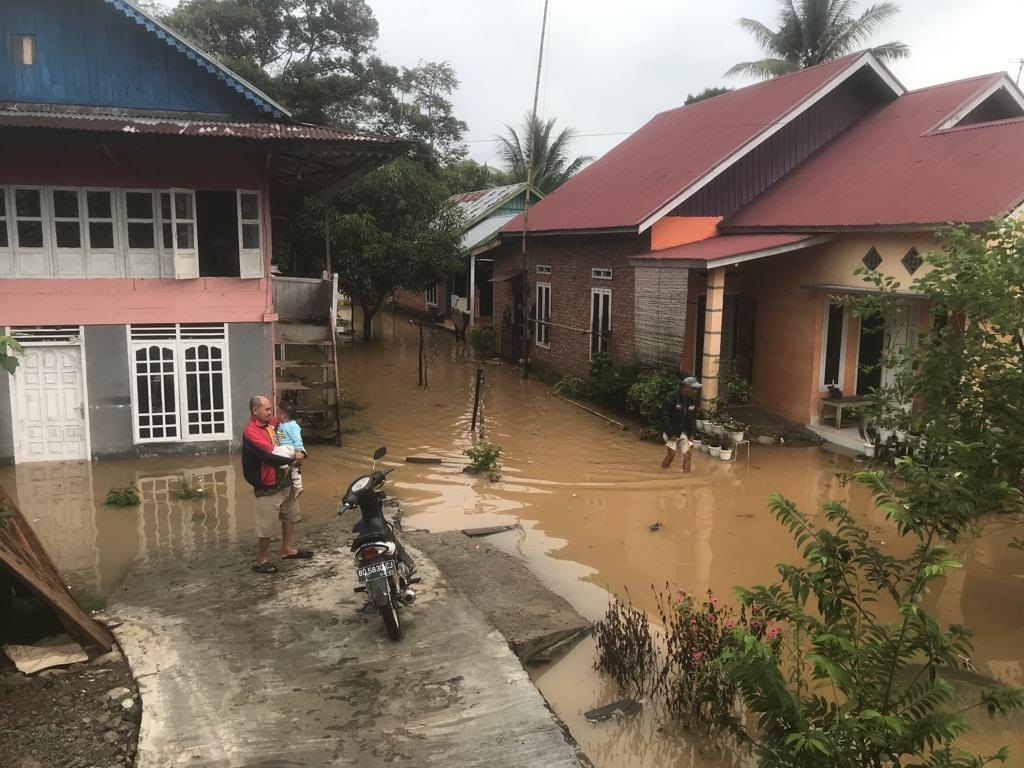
583, 492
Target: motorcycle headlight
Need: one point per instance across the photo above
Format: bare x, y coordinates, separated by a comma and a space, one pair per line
360, 484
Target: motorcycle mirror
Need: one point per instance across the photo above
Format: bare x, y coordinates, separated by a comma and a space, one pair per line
380, 453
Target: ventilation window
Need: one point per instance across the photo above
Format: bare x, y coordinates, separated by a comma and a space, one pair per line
601, 274
912, 260
543, 269
23, 49
872, 259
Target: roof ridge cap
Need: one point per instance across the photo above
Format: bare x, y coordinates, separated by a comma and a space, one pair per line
961, 81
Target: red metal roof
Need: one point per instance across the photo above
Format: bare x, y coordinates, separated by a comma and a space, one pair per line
724, 247
894, 168
104, 123
651, 167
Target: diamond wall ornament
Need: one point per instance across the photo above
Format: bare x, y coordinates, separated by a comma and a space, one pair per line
912, 260
872, 259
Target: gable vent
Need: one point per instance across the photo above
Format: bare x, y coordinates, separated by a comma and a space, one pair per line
37, 334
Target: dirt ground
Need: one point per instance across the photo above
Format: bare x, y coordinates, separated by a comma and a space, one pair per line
83, 716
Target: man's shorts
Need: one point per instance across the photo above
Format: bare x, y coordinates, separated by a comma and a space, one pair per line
271, 511
681, 444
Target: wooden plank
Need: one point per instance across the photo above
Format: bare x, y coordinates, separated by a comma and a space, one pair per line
609, 419
23, 554
489, 530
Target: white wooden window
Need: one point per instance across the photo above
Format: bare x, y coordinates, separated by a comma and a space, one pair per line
68, 246
543, 330
543, 269
601, 274
142, 253
101, 259
833, 345
183, 231
600, 320
181, 382
250, 236
31, 238
6, 262
432, 296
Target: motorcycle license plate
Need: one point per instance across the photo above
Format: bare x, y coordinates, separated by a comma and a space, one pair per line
377, 570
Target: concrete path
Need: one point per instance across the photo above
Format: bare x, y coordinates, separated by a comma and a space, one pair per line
239, 669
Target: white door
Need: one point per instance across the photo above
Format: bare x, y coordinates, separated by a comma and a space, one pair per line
899, 335
49, 406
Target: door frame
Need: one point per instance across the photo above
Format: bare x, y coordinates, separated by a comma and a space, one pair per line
13, 387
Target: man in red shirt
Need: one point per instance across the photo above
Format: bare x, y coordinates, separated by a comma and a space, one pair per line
275, 495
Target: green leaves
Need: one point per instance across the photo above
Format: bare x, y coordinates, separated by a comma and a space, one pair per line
8, 361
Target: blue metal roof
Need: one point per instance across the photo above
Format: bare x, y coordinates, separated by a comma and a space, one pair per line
204, 60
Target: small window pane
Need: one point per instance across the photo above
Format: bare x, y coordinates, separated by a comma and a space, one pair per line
3, 233
183, 206
98, 205
27, 202
65, 204
140, 235
833, 343
250, 236
184, 236
3, 201
101, 235
250, 207
168, 241
165, 205
23, 49
69, 234
139, 205
30, 234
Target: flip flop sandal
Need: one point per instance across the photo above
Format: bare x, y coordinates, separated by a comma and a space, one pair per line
265, 568
302, 554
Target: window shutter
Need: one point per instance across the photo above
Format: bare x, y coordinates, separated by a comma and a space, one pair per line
183, 232
250, 236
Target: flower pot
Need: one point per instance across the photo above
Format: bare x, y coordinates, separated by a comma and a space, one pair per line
869, 450
715, 451
716, 429
725, 455
901, 436
705, 448
701, 425
736, 437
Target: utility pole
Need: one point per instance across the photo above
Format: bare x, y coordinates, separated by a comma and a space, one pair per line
526, 205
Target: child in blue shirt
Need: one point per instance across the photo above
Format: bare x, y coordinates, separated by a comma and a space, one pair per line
289, 440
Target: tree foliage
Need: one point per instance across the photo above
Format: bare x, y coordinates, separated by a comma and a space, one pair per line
468, 176
8, 349
553, 163
392, 229
425, 111
707, 93
812, 32
865, 680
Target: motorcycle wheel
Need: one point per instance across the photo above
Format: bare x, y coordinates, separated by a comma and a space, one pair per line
390, 616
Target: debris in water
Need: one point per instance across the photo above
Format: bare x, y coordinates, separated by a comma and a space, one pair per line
422, 460
474, 532
620, 708
655, 526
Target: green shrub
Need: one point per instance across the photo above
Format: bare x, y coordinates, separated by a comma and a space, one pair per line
608, 382
648, 393
184, 488
483, 343
571, 386
484, 456
735, 388
127, 496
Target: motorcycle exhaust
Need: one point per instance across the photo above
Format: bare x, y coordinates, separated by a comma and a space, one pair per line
408, 597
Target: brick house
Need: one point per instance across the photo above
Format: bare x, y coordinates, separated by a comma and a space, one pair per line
728, 225
135, 231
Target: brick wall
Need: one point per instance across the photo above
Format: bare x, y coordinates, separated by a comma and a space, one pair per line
571, 259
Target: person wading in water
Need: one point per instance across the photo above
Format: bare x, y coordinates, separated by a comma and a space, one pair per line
679, 422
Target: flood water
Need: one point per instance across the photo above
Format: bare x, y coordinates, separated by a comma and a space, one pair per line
583, 493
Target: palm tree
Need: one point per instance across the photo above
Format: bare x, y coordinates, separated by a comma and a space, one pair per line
551, 165
815, 31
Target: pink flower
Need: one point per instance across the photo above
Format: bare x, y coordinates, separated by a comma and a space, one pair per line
698, 656
730, 624
714, 601
774, 632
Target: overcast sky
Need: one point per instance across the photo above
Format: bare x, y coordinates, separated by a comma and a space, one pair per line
610, 65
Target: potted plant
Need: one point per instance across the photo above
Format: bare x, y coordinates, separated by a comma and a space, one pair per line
725, 451
715, 449
704, 443
736, 431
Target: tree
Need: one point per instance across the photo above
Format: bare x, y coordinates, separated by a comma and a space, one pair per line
392, 229
552, 165
811, 32
707, 93
428, 115
468, 176
864, 682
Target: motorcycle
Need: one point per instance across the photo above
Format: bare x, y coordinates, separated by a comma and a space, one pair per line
383, 567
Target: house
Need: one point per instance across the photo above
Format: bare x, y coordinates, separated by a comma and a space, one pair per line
715, 237
135, 207
484, 213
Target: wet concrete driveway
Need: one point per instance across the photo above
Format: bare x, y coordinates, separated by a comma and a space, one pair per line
271, 671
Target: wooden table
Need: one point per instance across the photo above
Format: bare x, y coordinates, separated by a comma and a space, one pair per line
837, 405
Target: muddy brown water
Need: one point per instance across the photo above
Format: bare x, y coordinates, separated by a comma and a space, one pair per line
583, 493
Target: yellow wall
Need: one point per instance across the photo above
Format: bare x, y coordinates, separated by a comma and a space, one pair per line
679, 230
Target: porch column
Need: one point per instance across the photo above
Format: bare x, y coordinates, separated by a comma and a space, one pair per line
712, 336
472, 291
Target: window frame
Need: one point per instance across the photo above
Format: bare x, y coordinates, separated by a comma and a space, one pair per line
543, 269
250, 260
602, 340
58, 251
33, 48
114, 253
542, 322
431, 291
44, 251
601, 273
841, 373
6, 251
179, 340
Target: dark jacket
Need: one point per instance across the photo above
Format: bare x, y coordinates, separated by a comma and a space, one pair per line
679, 415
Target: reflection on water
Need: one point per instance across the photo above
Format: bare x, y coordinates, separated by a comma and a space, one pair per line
583, 493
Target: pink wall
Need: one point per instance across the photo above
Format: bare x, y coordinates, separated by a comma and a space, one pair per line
134, 300
137, 300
